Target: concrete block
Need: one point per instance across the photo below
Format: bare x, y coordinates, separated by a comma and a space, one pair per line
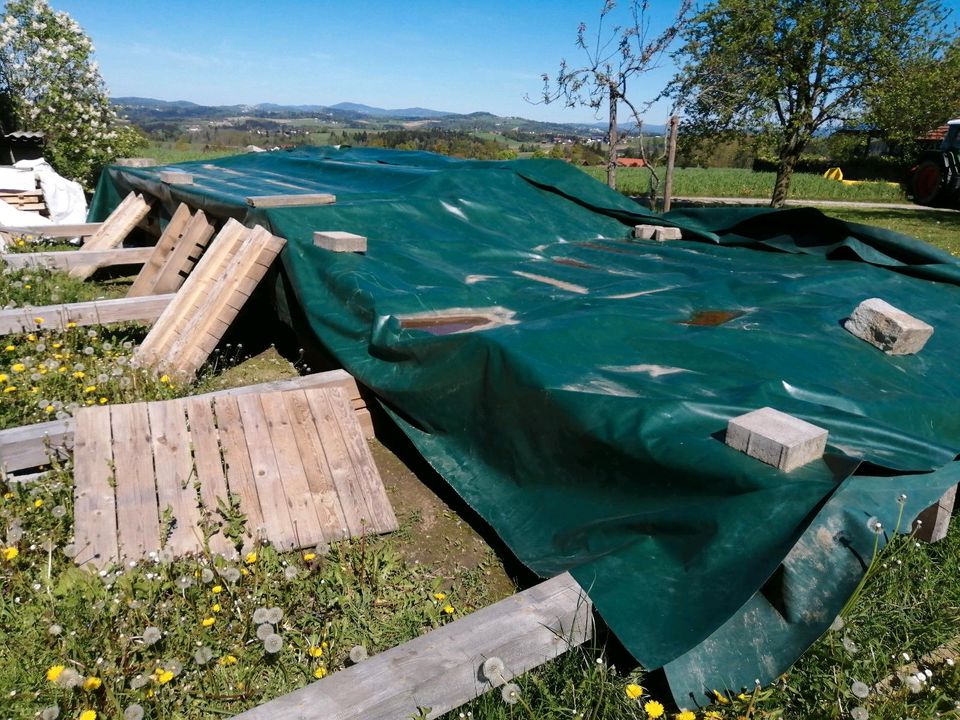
667, 233
176, 177
338, 241
888, 328
933, 523
135, 162
776, 438
644, 232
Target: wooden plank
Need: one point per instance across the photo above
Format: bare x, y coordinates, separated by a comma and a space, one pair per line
176, 315
69, 259
94, 503
266, 201
30, 446
185, 255
53, 231
138, 518
442, 669
208, 464
236, 460
278, 524
144, 283
114, 229
175, 476
319, 477
96, 312
381, 518
934, 522
293, 477
355, 510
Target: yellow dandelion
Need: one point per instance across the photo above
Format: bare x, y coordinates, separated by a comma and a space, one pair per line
71, 325
38, 503
89, 389
49, 409
216, 607
439, 596
216, 589
448, 609
8, 496
164, 379
10, 348
320, 673
251, 558
720, 697
161, 676
88, 715
28, 287
35, 389
10, 553
315, 651
306, 556
653, 709
56, 346
54, 672
742, 696
18, 367
713, 715
42, 369
10, 389
633, 691
244, 571
31, 337
227, 660
92, 683
62, 369
79, 374
208, 621
39, 320
103, 401
3, 377
685, 715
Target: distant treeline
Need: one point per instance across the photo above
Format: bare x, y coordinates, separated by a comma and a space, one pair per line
445, 142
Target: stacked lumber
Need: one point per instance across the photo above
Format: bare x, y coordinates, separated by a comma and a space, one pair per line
114, 230
31, 200
176, 253
192, 325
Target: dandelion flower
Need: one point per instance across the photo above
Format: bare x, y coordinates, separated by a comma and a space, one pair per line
315, 651
208, 621
18, 367
216, 589
860, 689
264, 631
320, 673
358, 653
510, 693
216, 607
203, 655
164, 379
138, 681
231, 574
653, 709
274, 615
206, 576
438, 596
151, 635
633, 691
162, 676
272, 643
290, 573
39, 320
492, 669
54, 673
38, 503
92, 683
51, 712
88, 715
250, 558
306, 556
133, 712
448, 609
850, 646
54, 630
685, 715
859, 713
10, 553
227, 660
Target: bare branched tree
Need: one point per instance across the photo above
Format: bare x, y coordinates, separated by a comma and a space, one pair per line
614, 56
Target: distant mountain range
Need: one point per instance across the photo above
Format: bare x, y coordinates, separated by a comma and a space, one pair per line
149, 111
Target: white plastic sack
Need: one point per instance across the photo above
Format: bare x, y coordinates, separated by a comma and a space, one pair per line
65, 200
12, 217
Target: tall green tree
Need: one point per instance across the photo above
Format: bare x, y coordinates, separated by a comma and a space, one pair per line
50, 82
786, 68
613, 56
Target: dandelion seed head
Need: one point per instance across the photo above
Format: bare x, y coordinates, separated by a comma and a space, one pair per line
184, 581
859, 713
492, 669
860, 689
274, 615
837, 624
272, 643
51, 712
510, 693
206, 576
260, 616
231, 574
151, 635
55, 630
874, 525
358, 653
850, 646
133, 712
290, 573
264, 631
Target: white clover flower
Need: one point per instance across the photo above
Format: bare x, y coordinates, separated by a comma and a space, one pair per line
272, 643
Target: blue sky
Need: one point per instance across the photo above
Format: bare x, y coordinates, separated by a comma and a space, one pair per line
455, 56
459, 56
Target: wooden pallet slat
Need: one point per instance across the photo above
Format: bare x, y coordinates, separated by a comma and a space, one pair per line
96, 312
236, 460
95, 524
159, 253
68, 259
114, 229
208, 464
186, 254
267, 201
138, 519
52, 231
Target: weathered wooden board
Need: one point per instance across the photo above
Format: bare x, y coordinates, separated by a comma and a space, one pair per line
114, 229
52, 231
160, 253
95, 312
185, 255
31, 446
69, 259
265, 201
442, 669
170, 471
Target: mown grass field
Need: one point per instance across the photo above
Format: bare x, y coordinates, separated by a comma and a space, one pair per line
741, 183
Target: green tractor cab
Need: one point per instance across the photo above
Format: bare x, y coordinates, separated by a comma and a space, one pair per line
936, 178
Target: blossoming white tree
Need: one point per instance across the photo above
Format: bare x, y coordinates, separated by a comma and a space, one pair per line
49, 82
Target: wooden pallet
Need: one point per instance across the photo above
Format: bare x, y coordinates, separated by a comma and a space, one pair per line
155, 474
176, 253
68, 259
94, 312
202, 310
114, 230
31, 200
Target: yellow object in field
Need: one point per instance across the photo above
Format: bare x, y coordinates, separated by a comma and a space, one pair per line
834, 173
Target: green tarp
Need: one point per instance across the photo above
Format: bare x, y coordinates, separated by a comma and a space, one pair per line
585, 422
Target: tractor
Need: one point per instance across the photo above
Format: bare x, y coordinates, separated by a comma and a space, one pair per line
936, 178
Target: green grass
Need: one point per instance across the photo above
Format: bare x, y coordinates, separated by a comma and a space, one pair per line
740, 183
938, 228
168, 153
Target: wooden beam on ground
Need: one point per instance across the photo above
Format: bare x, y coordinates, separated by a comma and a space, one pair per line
114, 229
268, 201
53, 231
933, 523
30, 446
442, 669
69, 259
96, 312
